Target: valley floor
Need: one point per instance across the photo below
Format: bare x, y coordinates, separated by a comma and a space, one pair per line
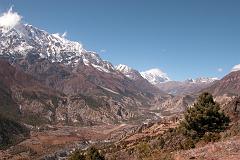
60, 141
57, 142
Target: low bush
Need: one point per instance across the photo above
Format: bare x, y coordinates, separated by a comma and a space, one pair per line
91, 154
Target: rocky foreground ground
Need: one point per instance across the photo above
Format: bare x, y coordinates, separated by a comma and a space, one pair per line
224, 150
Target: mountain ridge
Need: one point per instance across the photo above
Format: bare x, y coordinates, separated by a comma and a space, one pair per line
89, 84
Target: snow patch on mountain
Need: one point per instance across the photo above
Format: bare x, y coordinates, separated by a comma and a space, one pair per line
201, 80
109, 90
236, 68
100, 68
155, 76
123, 68
128, 71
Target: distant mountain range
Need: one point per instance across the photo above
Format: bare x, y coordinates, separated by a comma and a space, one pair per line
160, 79
188, 86
27, 41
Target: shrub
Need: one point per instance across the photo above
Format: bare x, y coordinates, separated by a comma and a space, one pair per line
94, 154
143, 149
211, 137
188, 143
161, 142
77, 155
91, 154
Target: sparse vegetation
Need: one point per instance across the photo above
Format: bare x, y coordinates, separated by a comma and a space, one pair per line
11, 132
78, 155
34, 119
143, 150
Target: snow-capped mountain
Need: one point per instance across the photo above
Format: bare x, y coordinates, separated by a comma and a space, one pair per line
128, 71
23, 39
155, 76
64, 66
163, 82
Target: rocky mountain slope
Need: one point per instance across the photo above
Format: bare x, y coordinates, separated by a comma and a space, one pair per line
228, 85
23, 98
128, 72
139, 81
69, 84
26, 99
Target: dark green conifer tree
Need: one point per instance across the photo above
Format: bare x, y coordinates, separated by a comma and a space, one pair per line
205, 116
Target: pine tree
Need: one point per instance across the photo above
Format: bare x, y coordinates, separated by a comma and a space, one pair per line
205, 116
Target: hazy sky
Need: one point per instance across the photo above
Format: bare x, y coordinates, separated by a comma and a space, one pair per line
184, 38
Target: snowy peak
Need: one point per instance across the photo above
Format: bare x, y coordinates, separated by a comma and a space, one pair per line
24, 39
201, 80
128, 71
17, 40
155, 76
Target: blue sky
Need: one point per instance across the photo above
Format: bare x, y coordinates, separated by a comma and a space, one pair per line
184, 38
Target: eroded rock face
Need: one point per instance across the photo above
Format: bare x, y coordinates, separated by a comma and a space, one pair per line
231, 106
35, 103
174, 104
79, 112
